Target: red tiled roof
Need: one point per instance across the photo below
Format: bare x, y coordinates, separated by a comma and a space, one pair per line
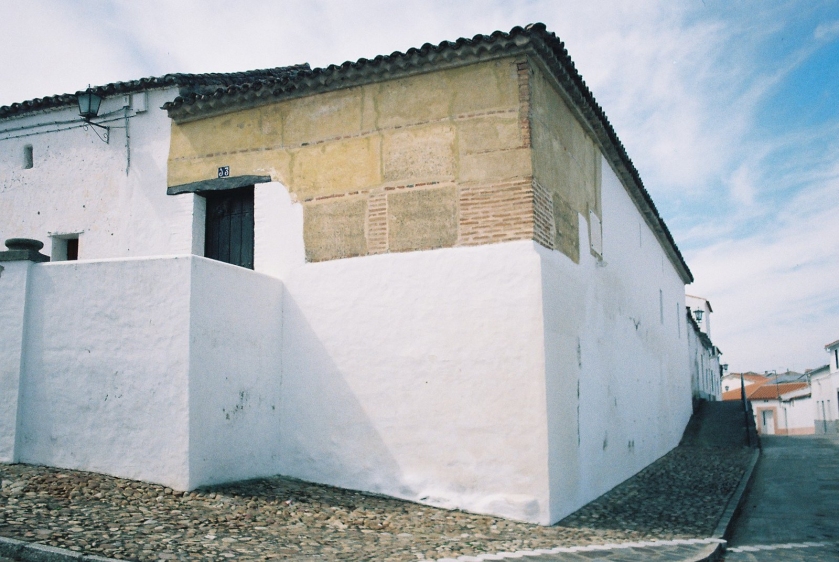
764, 390
768, 391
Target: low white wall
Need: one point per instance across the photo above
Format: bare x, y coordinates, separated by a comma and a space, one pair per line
278, 230
615, 346
13, 288
235, 364
158, 369
420, 375
106, 379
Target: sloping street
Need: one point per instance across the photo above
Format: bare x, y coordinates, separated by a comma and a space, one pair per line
792, 510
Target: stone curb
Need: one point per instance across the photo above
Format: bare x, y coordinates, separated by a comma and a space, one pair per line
713, 547
735, 503
34, 552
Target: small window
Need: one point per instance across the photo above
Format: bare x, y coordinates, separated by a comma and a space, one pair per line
28, 158
65, 247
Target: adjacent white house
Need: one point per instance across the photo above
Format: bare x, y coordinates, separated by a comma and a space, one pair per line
703, 355
825, 388
434, 275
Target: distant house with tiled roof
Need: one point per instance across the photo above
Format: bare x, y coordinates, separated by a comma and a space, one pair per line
780, 408
435, 275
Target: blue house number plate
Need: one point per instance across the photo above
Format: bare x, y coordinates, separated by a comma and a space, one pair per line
224, 172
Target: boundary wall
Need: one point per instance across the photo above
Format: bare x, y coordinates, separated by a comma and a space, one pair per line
151, 369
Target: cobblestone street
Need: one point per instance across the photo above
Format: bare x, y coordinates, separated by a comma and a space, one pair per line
681, 496
792, 510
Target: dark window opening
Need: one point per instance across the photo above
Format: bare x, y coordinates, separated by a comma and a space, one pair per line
72, 249
229, 226
28, 157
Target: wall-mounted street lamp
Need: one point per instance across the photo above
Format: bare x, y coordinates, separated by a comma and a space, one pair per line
698, 313
89, 104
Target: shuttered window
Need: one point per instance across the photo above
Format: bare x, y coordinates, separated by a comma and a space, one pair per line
229, 226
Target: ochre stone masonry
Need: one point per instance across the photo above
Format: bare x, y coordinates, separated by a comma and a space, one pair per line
453, 157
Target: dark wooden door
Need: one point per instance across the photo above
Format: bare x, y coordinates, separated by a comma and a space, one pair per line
229, 226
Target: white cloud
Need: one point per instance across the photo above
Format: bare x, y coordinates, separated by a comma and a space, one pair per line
776, 293
827, 31
742, 185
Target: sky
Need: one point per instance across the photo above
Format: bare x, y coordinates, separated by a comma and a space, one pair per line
729, 110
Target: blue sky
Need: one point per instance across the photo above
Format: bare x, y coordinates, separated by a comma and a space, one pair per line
730, 110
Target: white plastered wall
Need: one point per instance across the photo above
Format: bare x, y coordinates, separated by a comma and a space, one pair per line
235, 356
618, 388
278, 230
78, 184
158, 369
420, 375
106, 377
14, 280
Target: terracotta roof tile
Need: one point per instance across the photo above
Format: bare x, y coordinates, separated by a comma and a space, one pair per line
188, 83
769, 391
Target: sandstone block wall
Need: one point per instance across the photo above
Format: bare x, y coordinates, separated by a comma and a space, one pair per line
566, 168
434, 160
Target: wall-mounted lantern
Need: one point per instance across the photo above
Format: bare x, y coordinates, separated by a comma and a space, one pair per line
698, 313
89, 104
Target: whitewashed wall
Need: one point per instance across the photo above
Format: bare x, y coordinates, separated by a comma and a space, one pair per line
14, 281
105, 385
789, 416
420, 375
79, 184
614, 337
235, 364
158, 369
704, 365
825, 393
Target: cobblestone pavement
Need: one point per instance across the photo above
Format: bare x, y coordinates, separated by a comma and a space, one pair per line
792, 510
681, 496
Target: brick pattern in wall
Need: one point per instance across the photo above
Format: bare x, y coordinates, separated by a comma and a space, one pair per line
496, 213
544, 227
377, 223
523, 70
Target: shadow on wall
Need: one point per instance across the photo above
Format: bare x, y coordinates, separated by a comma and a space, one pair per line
316, 446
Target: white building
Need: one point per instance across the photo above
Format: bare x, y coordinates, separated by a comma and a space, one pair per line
703, 355
825, 384
461, 293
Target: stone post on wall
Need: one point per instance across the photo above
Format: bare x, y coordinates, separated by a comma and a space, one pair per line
15, 265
